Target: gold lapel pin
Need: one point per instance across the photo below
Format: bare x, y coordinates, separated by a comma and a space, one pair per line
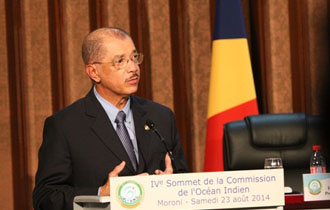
146, 127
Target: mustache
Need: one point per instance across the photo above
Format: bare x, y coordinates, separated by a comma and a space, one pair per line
133, 76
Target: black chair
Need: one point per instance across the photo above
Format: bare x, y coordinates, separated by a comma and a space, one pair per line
288, 136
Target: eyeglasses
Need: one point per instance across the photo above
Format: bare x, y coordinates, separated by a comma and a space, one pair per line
121, 62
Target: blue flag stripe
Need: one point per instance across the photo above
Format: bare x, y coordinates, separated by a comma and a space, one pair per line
229, 22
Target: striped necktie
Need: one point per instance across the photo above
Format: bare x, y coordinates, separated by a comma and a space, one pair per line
124, 137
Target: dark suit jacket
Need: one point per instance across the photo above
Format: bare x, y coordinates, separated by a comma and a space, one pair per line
80, 147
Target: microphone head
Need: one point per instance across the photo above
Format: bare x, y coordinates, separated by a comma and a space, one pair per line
150, 124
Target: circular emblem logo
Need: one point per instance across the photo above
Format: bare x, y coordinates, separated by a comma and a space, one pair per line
130, 194
314, 186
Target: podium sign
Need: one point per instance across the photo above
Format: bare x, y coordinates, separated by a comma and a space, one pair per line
316, 187
220, 190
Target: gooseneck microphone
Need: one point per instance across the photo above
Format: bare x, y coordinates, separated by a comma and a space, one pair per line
151, 126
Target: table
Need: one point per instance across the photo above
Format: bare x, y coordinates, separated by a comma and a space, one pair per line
296, 201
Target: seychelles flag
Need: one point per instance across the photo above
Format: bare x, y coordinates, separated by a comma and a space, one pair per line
232, 94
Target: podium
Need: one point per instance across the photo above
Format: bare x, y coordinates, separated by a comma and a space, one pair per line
249, 189
292, 201
90, 202
85, 202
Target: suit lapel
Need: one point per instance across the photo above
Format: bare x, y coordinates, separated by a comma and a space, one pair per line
105, 131
140, 117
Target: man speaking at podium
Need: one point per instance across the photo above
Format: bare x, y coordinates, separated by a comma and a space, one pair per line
105, 134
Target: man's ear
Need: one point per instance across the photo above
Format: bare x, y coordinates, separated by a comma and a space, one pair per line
92, 72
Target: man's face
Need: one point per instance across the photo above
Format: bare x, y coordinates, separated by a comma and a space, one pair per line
118, 82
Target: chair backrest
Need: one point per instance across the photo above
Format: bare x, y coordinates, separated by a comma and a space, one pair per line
288, 136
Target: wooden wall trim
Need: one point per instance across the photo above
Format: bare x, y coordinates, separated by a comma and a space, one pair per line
213, 5
258, 52
139, 27
15, 32
97, 14
181, 74
301, 83
55, 11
